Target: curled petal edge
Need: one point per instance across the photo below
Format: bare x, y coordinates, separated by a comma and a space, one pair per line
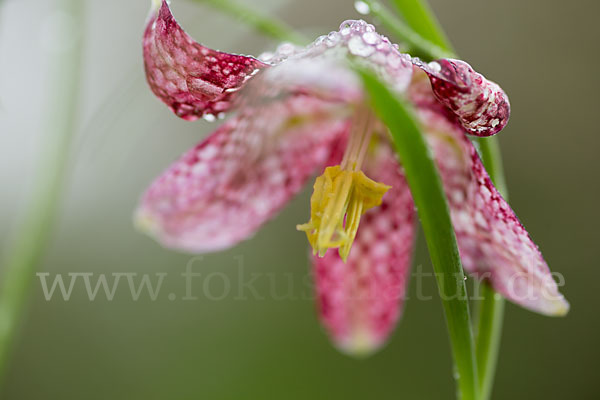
480, 105
193, 80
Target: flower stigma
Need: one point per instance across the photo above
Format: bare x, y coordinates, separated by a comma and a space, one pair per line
343, 193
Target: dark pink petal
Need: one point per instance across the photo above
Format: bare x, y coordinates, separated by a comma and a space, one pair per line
361, 301
493, 244
191, 79
481, 106
222, 190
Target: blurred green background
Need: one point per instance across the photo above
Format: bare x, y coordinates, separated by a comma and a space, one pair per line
543, 53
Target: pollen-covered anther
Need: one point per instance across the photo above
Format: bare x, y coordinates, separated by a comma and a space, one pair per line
339, 199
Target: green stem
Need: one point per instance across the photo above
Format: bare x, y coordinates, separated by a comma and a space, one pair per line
262, 23
492, 159
419, 45
489, 332
35, 231
491, 307
419, 16
430, 200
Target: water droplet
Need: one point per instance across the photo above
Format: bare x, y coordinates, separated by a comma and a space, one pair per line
358, 25
370, 37
332, 39
209, 117
320, 40
286, 49
266, 56
362, 7
360, 48
435, 67
455, 373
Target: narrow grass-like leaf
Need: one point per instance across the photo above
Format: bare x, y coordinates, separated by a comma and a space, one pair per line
419, 16
419, 45
491, 307
262, 23
421, 19
428, 194
35, 230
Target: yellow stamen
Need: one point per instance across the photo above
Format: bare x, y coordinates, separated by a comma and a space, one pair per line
342, 195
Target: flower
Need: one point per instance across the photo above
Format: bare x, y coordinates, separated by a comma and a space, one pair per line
303, 110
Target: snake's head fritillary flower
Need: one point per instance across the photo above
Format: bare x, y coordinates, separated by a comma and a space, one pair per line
301, 111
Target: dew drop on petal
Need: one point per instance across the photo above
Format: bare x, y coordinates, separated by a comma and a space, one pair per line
332, 39
362, 7
370, 37
286, 49
266, 56
320, 40
435, 67
360, 48
209, 117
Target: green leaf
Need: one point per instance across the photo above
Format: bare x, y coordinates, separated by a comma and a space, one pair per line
427, 192
421, 19
419, 45
35, 230
489, 332
491, 307
263, 23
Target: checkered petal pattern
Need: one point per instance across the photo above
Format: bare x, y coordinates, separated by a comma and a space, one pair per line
493, 243
222, 190
193, 80
480, 105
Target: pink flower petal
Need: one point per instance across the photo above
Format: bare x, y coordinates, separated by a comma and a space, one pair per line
361, 301
191, 79
222, 190
493, 244
481, 106
322, 69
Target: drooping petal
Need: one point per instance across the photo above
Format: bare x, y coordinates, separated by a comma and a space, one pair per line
493, 244
481, 105
361, 300
222, 190
191, 79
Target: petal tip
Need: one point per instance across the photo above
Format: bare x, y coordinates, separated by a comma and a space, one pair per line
155, 4
359, 345
481, 106
146, 223
558, 307
193, 80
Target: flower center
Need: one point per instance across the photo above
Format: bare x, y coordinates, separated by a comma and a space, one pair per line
343, 194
